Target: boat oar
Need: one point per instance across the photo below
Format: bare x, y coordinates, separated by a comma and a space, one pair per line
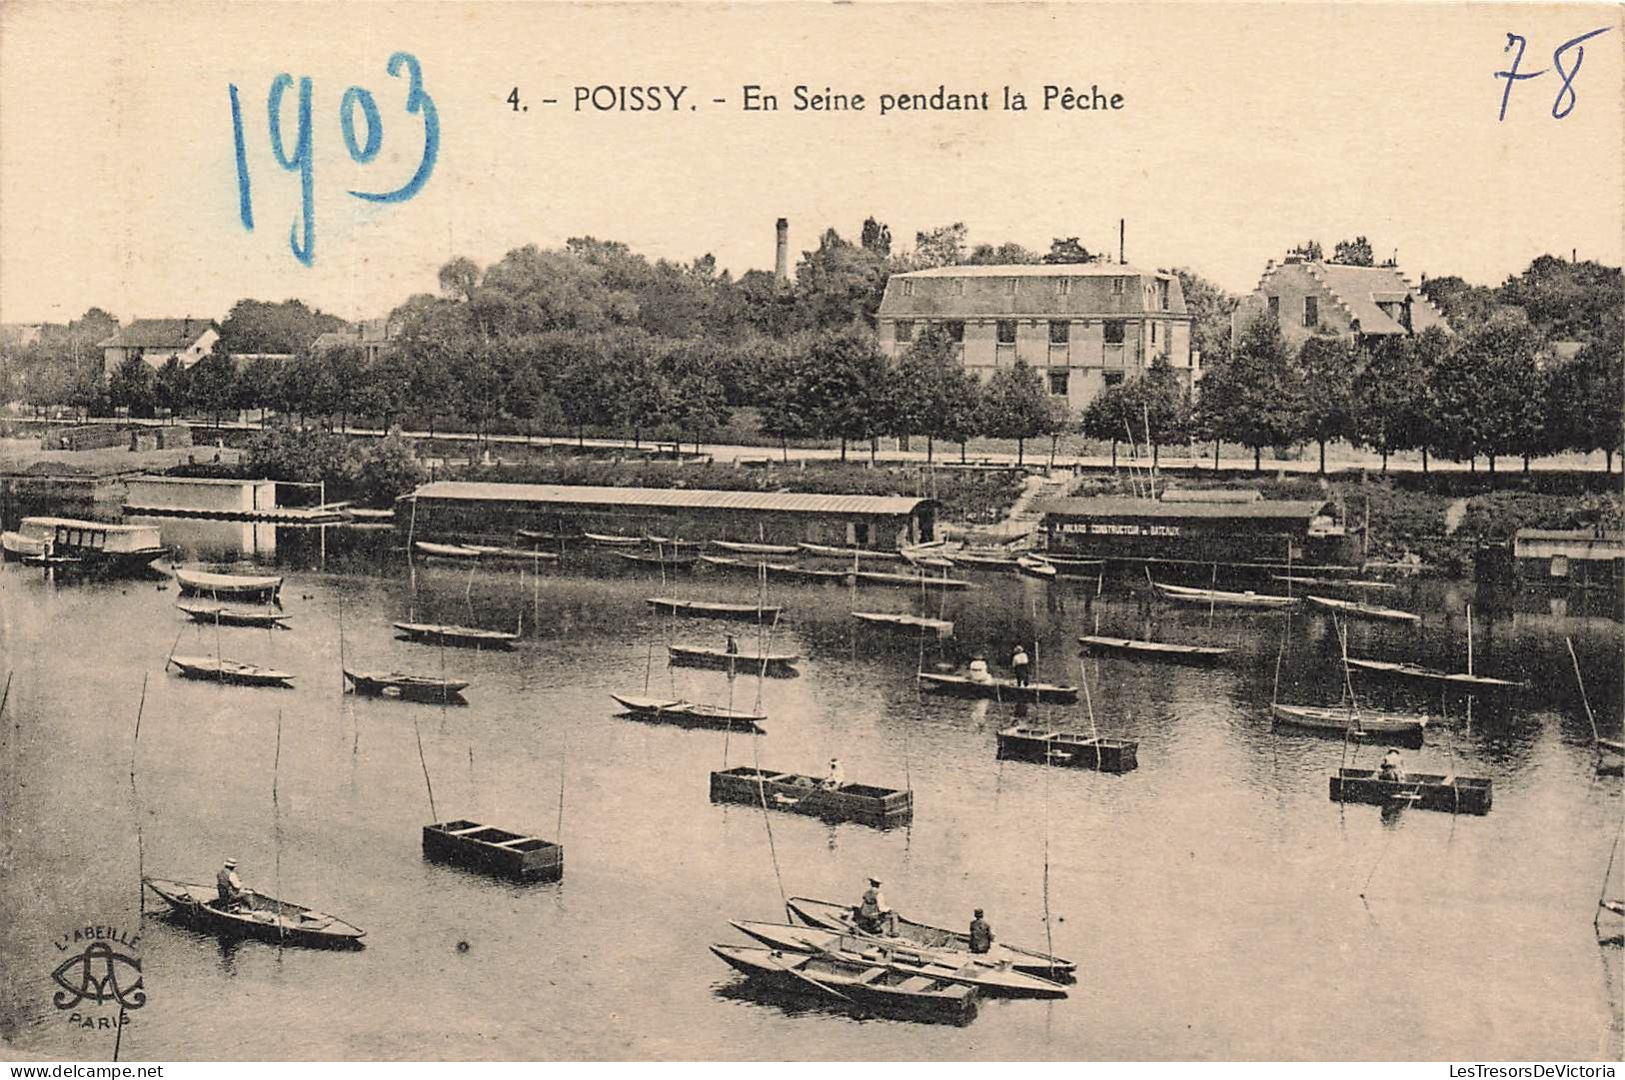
814, 983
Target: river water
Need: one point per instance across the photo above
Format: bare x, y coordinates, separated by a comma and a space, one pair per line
1218, 903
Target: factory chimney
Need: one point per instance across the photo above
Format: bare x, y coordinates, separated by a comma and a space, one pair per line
1122, 242
781, 256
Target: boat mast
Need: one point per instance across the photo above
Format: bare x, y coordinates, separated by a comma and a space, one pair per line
1469, 639
1596, 736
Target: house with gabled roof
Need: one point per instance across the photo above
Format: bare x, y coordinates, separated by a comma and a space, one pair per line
1309, 297
156, 341
371, 336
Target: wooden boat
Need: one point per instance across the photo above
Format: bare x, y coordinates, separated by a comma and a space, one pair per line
848, 554
710, 609
877, 806
262, 917
831, 916
541, 536
493, 851
470, 637
406, 687
942, 628
1355, 609
1333, 583
999, 689
612, 540
483, 552
91, 546
948, 964
1222, 597
669, 560
1032, 566
671, 542
739, 547
976, 560
1397, 728
228, 615
1154, 650
869, 986
238, 586
688, 713
1419, 673
1428, 791
367, 514
446, 551
737, 662
911, 581
1075, 565
778, 570
928, 560
220, 669
1068, 748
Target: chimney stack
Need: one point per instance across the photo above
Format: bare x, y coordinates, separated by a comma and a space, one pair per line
1122, 242
781, 255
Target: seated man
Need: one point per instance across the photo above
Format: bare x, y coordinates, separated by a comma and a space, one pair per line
873, 916
232, 896
981, 934
836, 776
1393, 766
977, 672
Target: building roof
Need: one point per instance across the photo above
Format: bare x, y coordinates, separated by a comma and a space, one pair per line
1361, 290
1605, 536
1033, 291
1107, 506
159, 334
672, 498
195, 481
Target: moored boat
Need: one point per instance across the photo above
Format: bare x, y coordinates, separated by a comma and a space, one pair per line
445, 551
710, 609
870, 986
471, 637
407, 687
740, 663
1427, 791
777, 570
1074, 565
239, 586
1068, 748
1355, 609
911, 581
832, 916
1223, 597
1418, 673
862, 803
998, 689
1033, 566
942, 628
232, 615
739, 547
984, 560
1138, 649
1334, 583
262, 917
943, 962
688, 713
612, 540
493, 851
221, 669
1342, 721
91, 546
668, 560
848, 554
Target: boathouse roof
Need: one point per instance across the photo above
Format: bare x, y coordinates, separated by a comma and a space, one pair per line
785, 502
1105, 506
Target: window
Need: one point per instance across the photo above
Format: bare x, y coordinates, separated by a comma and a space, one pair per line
1007, 330
1010, 285
1153, 333
1113, 378
1057, 383
1060, 331
903, 331
1114, 331
1117, 286
908, 287
1275, 306
955, 329
1063, 285
1162, 294
959, 286
1560, 566
1311, 311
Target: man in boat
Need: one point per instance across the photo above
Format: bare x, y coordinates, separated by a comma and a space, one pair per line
1393, 766
1021, 665
977, 672
836, 777
232, 896
873, 916
981, 934
733, 645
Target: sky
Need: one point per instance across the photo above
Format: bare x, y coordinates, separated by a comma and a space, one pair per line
1244, 130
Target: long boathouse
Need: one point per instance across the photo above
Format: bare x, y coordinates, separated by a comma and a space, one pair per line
1246, 534
454, 509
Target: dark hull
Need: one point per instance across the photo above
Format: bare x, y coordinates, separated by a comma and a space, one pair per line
493, 851
1161, 652
460, 637
779, 666
1477, 684
998, 690
1336, 724
1466, 795
894, 1003
1070, 750
702, 610
204, 917
433, 692
92, 563
881, 808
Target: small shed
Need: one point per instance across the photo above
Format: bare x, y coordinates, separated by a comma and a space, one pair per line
1588, 558
199, 495
1197, 532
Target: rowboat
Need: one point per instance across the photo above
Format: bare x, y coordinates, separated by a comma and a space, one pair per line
483, 552
493, 851
831, 916
688, 713
465, 636
948, 964
1427, 791
539, 536
368, 514
943, 628
612, 540
1068, 748
974, 560
223, 670
871, 986
1354, 609
929, 560
999, 689
398, 684
1033, 566
669, 559
1418, 673
1075, 565
911, 581
1397, 728
241, 586
73, 543
227, 615
263, 917
710, 609
446, 551
848, 554
1153, 650
778, 570
877, 806
1333, 583
669, 542
735, 662
741, 548
1223, 598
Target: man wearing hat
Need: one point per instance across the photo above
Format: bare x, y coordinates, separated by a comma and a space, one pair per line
977, 672
1393, 765
232, 895
873, 916
981, 934
836, 777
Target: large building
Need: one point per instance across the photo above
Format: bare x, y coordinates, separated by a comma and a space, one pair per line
157, 340
1082, 326
1355, 302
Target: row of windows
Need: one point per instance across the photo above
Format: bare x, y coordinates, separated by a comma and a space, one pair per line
1311, 309
1060, 331
1060, 381
1060, 285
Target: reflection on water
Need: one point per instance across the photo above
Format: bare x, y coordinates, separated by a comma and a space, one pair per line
1219, 902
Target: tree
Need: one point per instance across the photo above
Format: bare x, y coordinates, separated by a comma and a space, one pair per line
1153, 409
1327, 367
961, 410
1008, 253
1489, 392
1251, 396
1308, 251
459, 278
259, 326
131, 386
1356, 252
924, 386
1210, 308
1067, 249
838, 284
580, 382
876, 238
695, 400
1583, 398
212, 386
942, 246
1015, 406
1387, 389
845, 381
1460, 303
787, 409
389, 469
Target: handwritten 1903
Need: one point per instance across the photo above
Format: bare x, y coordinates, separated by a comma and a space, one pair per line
1566, 98
302, 234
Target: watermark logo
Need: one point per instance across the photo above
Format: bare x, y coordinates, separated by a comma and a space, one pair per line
106, 970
